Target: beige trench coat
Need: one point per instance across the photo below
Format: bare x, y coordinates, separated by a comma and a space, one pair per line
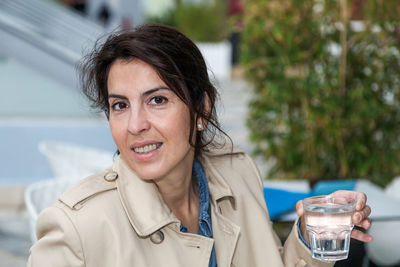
125, 223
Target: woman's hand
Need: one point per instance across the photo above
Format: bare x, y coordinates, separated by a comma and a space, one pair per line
360, 216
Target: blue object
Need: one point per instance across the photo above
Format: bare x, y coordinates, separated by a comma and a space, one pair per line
330, 186
301, 236
280, 201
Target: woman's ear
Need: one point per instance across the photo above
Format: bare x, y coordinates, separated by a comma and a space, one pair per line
201, 122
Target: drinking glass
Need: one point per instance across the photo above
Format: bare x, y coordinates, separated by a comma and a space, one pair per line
329, 223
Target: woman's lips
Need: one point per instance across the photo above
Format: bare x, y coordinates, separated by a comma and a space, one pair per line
147, 148
147, 151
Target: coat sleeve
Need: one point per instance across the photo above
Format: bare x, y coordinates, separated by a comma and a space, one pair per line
294, 252
58, 244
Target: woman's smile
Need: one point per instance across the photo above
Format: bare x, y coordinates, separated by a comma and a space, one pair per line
147, 148
146, 152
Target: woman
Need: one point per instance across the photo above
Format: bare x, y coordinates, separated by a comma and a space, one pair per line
173, 196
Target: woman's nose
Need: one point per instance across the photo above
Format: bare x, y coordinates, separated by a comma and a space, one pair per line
138, 121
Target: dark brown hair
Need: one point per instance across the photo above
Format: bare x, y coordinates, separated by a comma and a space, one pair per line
175, 58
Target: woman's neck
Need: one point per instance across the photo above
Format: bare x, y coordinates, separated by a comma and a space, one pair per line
181, 196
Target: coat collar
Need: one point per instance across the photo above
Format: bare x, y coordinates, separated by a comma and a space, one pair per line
144, 204
142, 201
219, 188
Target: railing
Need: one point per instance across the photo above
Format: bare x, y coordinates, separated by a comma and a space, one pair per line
50, 21
44, 26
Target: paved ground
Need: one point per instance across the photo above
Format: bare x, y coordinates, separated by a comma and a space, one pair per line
14, 231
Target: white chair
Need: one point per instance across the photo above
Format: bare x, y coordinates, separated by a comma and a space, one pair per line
40, 195
393, 189
384, 249
72, 161
69, 163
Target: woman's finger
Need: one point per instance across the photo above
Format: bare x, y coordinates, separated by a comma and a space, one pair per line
299, 208
366, 224
361, 201
367, 211
359, 196
360, 216
357, 234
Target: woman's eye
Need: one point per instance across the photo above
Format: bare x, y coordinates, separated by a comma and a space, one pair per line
119, 106
158, 100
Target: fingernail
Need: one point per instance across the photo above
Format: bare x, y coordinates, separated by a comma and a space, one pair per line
360, 205
357, 218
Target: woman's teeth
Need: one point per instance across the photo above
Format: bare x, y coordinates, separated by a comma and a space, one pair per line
146, 148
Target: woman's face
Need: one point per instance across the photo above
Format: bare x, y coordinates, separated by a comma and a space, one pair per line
149, 123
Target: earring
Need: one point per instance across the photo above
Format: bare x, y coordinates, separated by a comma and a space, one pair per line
199, 126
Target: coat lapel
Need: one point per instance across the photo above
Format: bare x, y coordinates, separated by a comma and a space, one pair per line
225, 234
142, 201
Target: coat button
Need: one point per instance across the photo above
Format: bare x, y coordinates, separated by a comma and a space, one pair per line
157, 237
111, 176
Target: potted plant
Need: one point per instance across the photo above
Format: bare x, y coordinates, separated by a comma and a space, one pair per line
326, 98
206, 23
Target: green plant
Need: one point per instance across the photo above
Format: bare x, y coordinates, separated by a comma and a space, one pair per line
202, 22
326, 101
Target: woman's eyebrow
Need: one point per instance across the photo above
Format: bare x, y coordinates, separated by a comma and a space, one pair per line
146, 93
117, 96
151, 91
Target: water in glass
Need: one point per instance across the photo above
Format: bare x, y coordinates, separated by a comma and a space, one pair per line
329, 226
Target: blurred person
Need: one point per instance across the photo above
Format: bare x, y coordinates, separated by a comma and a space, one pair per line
177, 194
78, 5
126, 23
235, 9
104, 15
